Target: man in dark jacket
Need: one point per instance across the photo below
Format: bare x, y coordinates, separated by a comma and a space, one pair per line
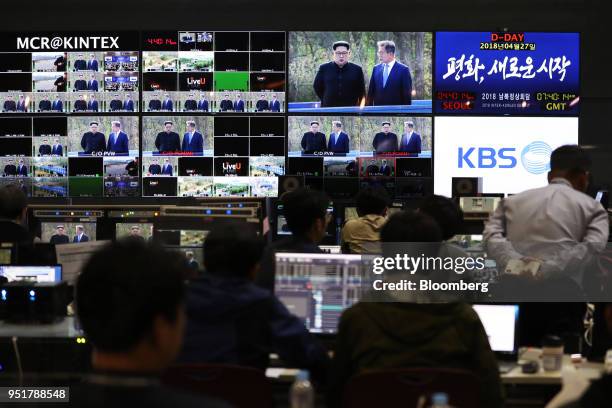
233, 321
408, 332
13, 212
313, 141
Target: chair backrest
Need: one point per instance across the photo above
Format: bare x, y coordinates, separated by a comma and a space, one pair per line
404, 387
240, 386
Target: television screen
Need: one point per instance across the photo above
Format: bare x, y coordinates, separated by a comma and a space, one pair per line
507, 72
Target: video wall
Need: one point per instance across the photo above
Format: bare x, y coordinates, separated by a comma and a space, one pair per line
208, 113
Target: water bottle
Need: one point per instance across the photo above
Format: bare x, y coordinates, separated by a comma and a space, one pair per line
302, 393
439, 400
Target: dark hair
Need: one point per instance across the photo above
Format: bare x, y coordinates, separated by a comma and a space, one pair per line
372, 200
232, 248
123, 288
302, 208
446, 212
12, 201
572, 159
411, 226
341, 44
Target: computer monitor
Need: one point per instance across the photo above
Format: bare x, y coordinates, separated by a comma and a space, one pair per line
501, 324
52, 273
281, 223
475, 208
318, 287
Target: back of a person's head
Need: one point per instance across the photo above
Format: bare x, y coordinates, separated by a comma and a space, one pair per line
12, 202
411, 226
232, 248
570, 160
123, 288
302, 208
446, 212
372, 200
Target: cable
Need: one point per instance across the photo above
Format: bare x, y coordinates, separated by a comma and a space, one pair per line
18, 360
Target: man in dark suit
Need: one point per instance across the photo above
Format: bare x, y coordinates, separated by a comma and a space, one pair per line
13, 214
262, 104
57, 104
22, 106
93, 141
226, 104
340, 82
80, 64
22, 169
390, 83
385, 141
313, 141
10, 170
275, 105
118, 141
166, 168
411, 140
190, 104
80, 105
338, 140
238, 104
167, 104
57, 149
60, 63
45, 148
80, 84
92, 84
92, 105
59, 237
115, 104
60, 83
92, 64
44, 105
154, 167
132, 167
9, 104
128, 104
385, 169
192, 140
372, 170
168, 141
155, 105
203, 103
80, 235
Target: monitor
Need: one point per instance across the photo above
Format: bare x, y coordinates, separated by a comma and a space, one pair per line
501, 325
318, 287
283, 229
14, 273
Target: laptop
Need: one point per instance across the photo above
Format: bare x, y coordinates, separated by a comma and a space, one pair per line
14, 273
501, 322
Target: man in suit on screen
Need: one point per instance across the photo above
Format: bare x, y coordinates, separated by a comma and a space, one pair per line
44, 105
45, 148
385, 141
238, 104
128, 103
167, 168
190, 104
80, 235
80, 64
92, 63
80, 105
10, 170
92, 84
92, 105
192, 139
313, 141
60, 236
118, 141
262, 104
22, 105
338, 140
154, 167
167, 104
275, 105
60, 83
22, 169
9, 104
168, 141
57, 104
340, 82
93, 141
385, 169
411, 140
60, 63
390, 83
226, 104
203, 103
155, 104
57, 149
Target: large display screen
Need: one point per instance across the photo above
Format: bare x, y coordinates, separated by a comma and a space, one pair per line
509, 154
507, 72
220, 71
360, 72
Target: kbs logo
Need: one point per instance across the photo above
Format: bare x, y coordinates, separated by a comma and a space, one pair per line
535, 157
46, 43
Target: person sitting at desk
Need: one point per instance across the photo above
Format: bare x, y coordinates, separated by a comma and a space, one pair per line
134, 337
307, 218
410, 331
231, 320
362, 235
13, 213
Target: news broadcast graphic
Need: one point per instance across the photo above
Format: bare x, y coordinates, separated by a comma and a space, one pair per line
51, 73
522, 73
360, 72
214, 71
191, 155
510, 154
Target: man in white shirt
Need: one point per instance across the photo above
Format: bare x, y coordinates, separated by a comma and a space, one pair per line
557, 228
